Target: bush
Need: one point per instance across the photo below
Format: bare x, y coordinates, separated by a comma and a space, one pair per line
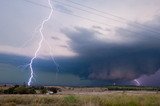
9, 91
43, 91
31, 91
20, 90
24, 90
1, 91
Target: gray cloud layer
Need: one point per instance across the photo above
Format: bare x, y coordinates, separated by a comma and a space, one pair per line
102, 60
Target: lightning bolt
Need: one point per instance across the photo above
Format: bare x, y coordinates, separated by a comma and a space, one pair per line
138, 83
40, 43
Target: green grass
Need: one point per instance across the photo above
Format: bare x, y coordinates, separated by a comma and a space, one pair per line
135, 88
116, 99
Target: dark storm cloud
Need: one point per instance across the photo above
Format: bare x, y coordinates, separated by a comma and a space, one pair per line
13, 59
22, 62
151, 80
101, 60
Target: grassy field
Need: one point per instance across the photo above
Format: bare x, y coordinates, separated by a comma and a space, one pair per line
110, 99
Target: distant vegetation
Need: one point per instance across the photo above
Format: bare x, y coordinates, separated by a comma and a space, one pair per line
27, 90
19, 90
113, 96
133, 88
52, 90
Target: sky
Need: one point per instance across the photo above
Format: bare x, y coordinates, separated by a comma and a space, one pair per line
94, 42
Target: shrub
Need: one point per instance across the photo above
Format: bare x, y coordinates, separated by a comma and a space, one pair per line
31, 91
43, 91
24, 90
9, 91
20, 90
1, 91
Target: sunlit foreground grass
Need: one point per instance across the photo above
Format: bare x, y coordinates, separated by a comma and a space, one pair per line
115, 99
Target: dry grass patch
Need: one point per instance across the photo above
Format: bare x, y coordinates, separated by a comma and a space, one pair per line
119, 99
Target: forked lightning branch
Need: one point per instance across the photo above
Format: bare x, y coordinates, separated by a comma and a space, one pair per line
40, 43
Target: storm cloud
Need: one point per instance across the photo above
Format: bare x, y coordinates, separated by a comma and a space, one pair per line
100, 59
90, 49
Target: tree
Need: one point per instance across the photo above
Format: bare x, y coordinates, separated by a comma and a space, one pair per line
21, 90
9, 91
24, 90
43, 91
1, 91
